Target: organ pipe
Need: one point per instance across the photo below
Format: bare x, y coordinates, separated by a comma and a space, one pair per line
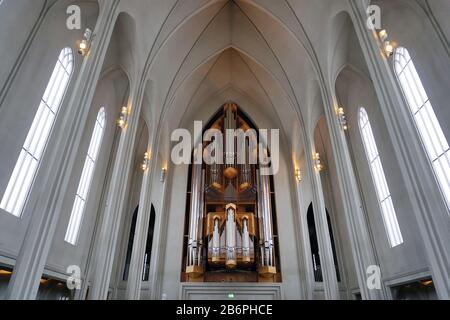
230, 228
196, 216
266, 228
231, 237
216, 241
245, 241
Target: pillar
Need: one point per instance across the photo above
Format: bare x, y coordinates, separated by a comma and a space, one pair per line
38, 240
140, 240
330, 282
116, 200
429, 206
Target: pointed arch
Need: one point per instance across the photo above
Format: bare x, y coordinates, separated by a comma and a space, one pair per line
81, 197
25, 171
427, 123
379, 177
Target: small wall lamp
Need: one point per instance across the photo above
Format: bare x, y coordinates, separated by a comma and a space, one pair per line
85, 44
342, 118
298, 175
146, 162
123, 118
163, 174
318, 163
388, 46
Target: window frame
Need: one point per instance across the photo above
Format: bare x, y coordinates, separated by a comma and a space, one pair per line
432, 137
86, 179
22, 180
384, 195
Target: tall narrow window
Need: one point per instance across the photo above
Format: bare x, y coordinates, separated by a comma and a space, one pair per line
379, 177
84, 186
425, 118
24, 173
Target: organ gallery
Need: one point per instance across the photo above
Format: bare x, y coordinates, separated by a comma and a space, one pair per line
231, 231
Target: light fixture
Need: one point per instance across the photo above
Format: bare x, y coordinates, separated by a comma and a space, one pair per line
342, 118
146, 162
427, 282
298, 175
163, 174
318, 163
388, 46
123, 118
383, 35
85, 44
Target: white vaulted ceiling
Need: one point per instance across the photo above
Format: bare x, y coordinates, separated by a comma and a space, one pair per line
266, 52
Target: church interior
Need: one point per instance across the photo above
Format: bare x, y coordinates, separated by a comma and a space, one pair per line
94, 207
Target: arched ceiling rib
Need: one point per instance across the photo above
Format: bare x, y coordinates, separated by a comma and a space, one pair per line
264, 50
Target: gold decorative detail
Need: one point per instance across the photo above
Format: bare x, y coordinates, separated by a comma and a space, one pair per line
231, 264
194, 271
244, 186
267, 272
230, 173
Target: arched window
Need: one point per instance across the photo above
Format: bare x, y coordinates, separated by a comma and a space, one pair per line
314, 243
24, 173
79, 205
379, 178
148, 247
425, 118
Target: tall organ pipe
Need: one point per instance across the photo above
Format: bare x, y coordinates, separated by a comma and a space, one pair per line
216, 241
245, 239
265, 217
230, 124
196, 214
231, 237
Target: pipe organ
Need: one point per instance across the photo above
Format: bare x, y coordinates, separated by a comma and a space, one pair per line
231, 230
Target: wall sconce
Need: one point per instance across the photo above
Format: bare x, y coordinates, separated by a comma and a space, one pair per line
388, 46
298, 175
123, 118
163, 174
318, 163
342, 118
146, 162
383, 35
85, 44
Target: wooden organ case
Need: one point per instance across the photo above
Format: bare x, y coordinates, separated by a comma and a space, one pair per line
231, 231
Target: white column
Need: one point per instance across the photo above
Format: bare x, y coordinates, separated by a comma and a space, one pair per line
116, 203
33, 254
330, 282
363, 252
140, 240
306, 247
428, 204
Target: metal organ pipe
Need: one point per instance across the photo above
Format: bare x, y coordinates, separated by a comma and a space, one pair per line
230, 124
265, 217
245, 239
201, 216
216, 241
196, 216
231, 237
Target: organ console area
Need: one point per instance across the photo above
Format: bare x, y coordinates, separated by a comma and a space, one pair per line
231, 230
